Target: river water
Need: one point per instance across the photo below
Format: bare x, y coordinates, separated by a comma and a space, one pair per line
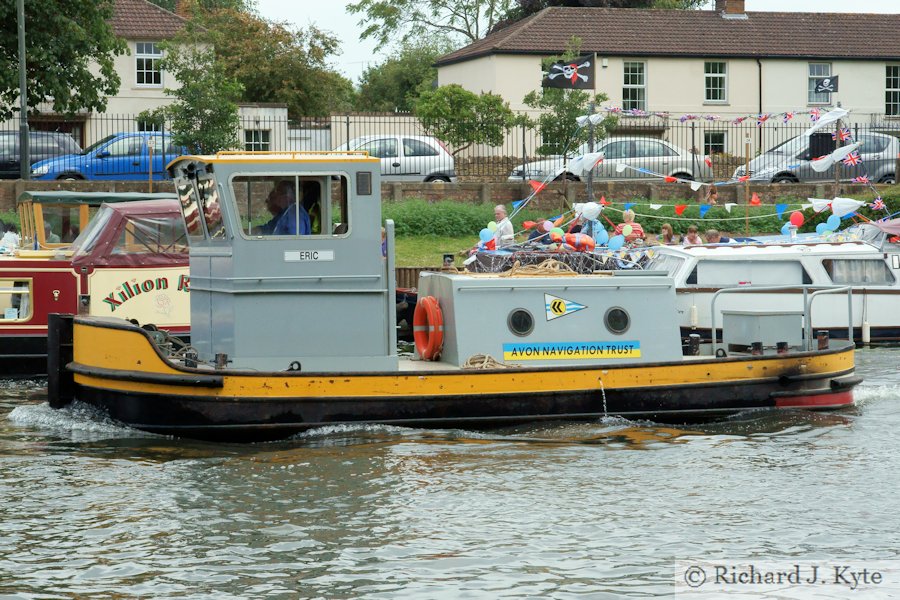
91, 509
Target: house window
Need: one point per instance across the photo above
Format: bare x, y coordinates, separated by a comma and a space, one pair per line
146, 59
716, 77
892, 91
143, 125
713, 142
257, 139
634, 86
817, 71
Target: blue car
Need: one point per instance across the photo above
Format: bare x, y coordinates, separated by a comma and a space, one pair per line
121, 156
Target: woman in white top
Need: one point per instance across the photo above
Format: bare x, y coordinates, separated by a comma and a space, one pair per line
504, 236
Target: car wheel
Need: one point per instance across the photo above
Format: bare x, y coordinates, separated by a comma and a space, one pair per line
441, 178
889, 179
70, 177
685, 176
567, 176
784, 179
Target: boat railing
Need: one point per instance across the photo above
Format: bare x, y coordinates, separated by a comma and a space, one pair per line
807, 306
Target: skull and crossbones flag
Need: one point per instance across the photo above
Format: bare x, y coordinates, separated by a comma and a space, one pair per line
575, 74
826, 84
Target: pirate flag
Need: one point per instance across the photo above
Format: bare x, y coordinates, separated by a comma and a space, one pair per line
826, 84
575, 74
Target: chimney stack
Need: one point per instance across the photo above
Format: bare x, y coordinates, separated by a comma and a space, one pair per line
730, 7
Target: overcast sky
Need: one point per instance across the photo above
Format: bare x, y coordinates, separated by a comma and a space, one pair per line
330, 15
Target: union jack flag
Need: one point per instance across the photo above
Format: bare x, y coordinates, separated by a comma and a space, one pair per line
861, 179
762, 119
852, 159
843, 134
788, 116
878, 204
814, 114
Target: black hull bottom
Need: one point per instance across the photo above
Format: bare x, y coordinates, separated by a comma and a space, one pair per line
23, 357
253, 419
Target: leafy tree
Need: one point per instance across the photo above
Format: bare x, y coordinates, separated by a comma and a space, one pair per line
206, 5
560, 108
204, 115
70, 48
394, 84
461, 118
389, 20
276, 63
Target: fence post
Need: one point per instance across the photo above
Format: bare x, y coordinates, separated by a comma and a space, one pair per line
590, 176
525, 151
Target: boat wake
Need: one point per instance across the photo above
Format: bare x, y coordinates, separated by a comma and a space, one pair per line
78, 421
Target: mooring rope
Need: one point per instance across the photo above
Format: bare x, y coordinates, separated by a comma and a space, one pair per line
485, 361
549, 268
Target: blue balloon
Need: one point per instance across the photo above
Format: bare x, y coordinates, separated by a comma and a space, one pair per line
601, 237
833, 222
786, 229
616, 242
821, 228
486, 235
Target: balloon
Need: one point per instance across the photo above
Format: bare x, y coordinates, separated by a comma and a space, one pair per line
821, 227
827, 232
786, 229
486, 235
627, 230
547, 226
528, 224
616, 242
797, 218
558, 230
556, 237
492, 226
591, 210
833, 222
601, 237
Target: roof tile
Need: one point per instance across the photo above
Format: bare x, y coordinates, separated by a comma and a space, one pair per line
143, 20
701, 33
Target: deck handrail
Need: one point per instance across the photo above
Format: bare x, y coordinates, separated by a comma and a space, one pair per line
807, 306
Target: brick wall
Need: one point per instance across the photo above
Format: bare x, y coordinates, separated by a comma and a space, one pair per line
490, 193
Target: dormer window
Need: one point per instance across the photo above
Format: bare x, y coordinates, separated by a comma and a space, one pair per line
147, 59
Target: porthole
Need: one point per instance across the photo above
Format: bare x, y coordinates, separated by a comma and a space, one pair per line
520, 322
617, 320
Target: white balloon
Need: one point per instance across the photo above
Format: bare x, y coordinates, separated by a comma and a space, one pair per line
590, 210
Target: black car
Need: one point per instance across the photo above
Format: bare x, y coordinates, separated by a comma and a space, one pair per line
42, 145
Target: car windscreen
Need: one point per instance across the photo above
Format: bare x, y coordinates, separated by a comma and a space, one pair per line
98, 143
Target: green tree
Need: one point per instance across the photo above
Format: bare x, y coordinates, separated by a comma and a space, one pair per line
395, 84
386, 21
204, 115
461, 118
70, 49
560, 132
276, 63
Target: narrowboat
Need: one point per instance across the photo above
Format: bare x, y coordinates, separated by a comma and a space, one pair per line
865, 257
117, 254
293, 326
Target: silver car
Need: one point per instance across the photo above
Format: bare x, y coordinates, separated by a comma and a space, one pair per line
407, 157
790, 161
643, 157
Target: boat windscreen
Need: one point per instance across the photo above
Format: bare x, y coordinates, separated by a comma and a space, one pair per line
87, 239
665, 262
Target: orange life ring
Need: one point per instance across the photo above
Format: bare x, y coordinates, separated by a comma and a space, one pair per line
428, 328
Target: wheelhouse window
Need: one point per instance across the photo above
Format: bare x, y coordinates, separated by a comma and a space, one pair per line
892, 91
713, 142
152, 234
291, 206
15, 299
716, 78
634, 86
147, 57
817, 71
857, 272
257, 140
723, 273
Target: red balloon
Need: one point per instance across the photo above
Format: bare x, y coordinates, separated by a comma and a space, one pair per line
797, 218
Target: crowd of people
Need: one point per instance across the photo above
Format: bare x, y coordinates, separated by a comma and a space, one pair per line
539, 232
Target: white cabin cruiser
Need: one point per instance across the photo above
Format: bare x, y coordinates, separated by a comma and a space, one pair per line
865, 257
